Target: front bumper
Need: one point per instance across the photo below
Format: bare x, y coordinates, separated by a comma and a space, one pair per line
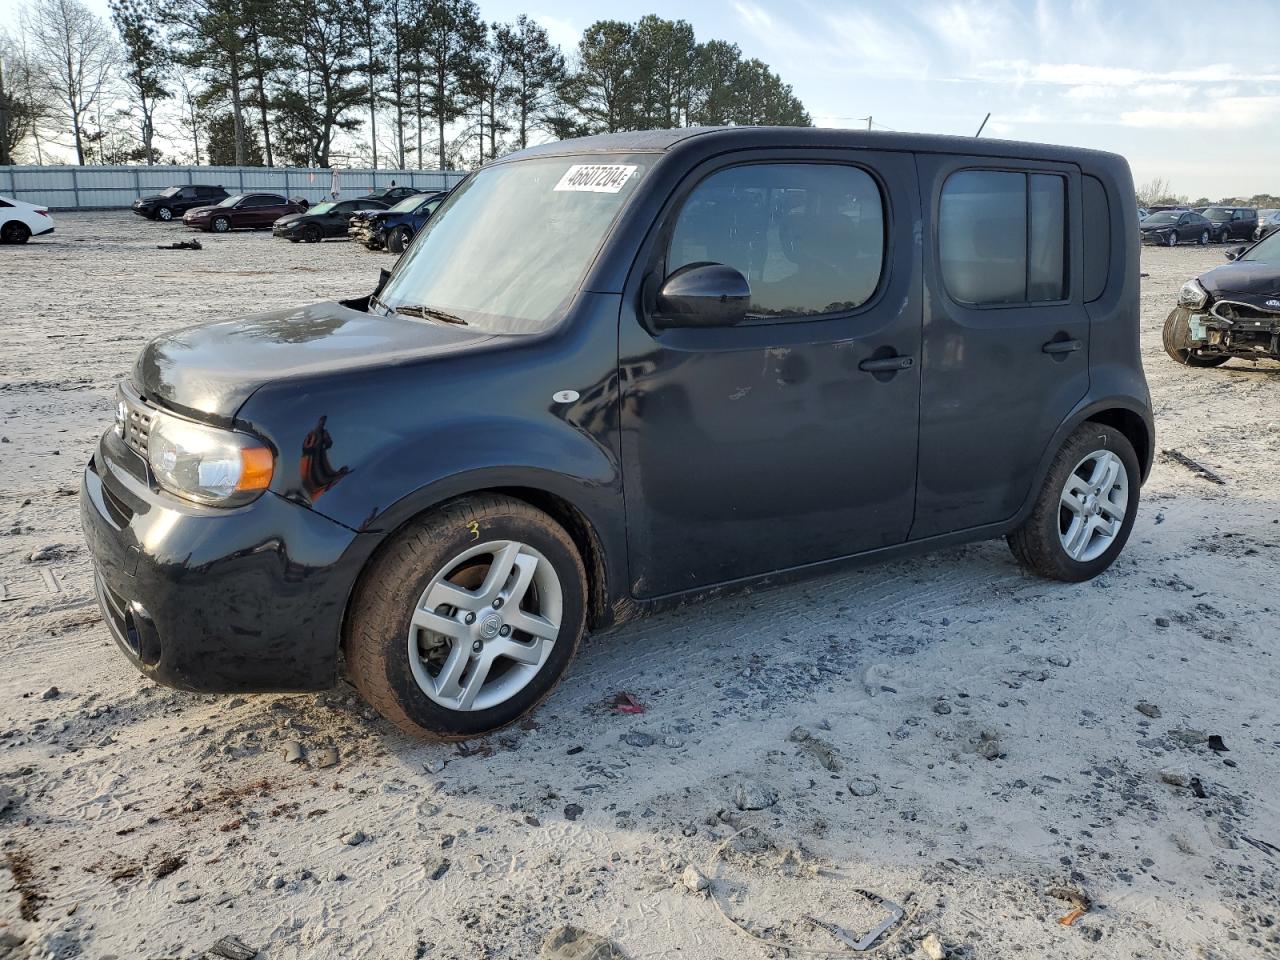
248, 599
1156, 238
289, 233
1233, 327
144, 212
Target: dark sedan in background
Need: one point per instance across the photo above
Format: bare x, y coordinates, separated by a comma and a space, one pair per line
172, 201
393, 195
252, 210
394, 228
1171, 227
1231, 223
1232, 310
1268, 223
328, 219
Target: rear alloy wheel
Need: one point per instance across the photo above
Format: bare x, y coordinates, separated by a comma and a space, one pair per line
1172, 239
15, 231
165, 214
467, 619
1204, 238
221, 224
1086, 508
398, 239
1176, 336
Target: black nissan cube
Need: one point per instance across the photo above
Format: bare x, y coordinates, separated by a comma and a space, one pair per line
622, 372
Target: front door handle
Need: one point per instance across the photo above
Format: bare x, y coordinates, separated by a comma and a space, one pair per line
1062, 346
887, 364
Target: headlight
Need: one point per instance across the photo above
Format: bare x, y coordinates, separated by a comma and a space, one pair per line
1192, 295
206, 464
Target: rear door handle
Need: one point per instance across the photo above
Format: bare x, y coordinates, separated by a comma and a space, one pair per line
887, 364
1062, 346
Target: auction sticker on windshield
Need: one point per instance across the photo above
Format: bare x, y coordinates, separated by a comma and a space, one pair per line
596, 177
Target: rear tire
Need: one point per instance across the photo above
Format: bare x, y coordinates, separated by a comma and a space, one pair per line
409, 615
1098, 473
1175, 337
15, 231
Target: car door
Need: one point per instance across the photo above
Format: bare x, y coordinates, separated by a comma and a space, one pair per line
790, 438
1006, 335
334, 221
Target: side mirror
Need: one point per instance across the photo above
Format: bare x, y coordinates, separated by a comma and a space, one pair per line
702, 295
1235, 254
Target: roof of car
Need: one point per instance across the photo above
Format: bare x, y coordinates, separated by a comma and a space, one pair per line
666, 141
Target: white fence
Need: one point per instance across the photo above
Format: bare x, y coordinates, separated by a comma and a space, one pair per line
104, 188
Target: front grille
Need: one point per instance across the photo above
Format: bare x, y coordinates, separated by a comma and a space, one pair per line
137, 426
1237, 311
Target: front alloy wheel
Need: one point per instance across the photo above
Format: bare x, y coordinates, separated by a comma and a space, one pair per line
165, 214
1204, 238
221, 224
1172, 238
468, 618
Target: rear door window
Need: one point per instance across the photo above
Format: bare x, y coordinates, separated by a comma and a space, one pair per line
1002, 237
809, 237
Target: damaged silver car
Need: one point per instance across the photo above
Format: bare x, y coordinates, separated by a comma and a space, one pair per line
1231, 311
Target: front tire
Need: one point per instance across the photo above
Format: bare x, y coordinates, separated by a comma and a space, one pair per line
1204, 238
165, 214
1173, 238
398, 239
220, 225
467, 619
1086, 508
312, 234
1175, 337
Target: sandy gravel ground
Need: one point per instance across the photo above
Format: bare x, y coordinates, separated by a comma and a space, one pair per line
970, 740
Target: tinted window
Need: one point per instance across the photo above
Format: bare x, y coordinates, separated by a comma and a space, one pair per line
1097, 237
809, 238
1002, 237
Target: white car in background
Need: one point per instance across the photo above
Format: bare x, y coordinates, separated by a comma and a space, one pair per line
20, 221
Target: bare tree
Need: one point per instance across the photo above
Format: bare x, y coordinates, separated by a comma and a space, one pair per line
23, 99
76, 55
1153, 191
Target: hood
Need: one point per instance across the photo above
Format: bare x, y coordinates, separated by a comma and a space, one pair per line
209, 371
1156, 226
289, 218
153, 198
1258, 278
199, 211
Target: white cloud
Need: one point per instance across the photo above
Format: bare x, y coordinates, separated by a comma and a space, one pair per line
1225, 113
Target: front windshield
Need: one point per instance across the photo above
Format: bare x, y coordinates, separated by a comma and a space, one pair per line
1163, 217
170, 191
232, 200
507, 250
1267, 248
409, 203
1218, 213
322, 207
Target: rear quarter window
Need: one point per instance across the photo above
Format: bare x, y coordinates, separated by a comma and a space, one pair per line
1097, 237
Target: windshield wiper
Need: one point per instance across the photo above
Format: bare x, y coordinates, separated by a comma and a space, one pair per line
429, 313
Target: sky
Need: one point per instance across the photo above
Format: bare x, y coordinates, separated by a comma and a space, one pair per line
1187, 91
